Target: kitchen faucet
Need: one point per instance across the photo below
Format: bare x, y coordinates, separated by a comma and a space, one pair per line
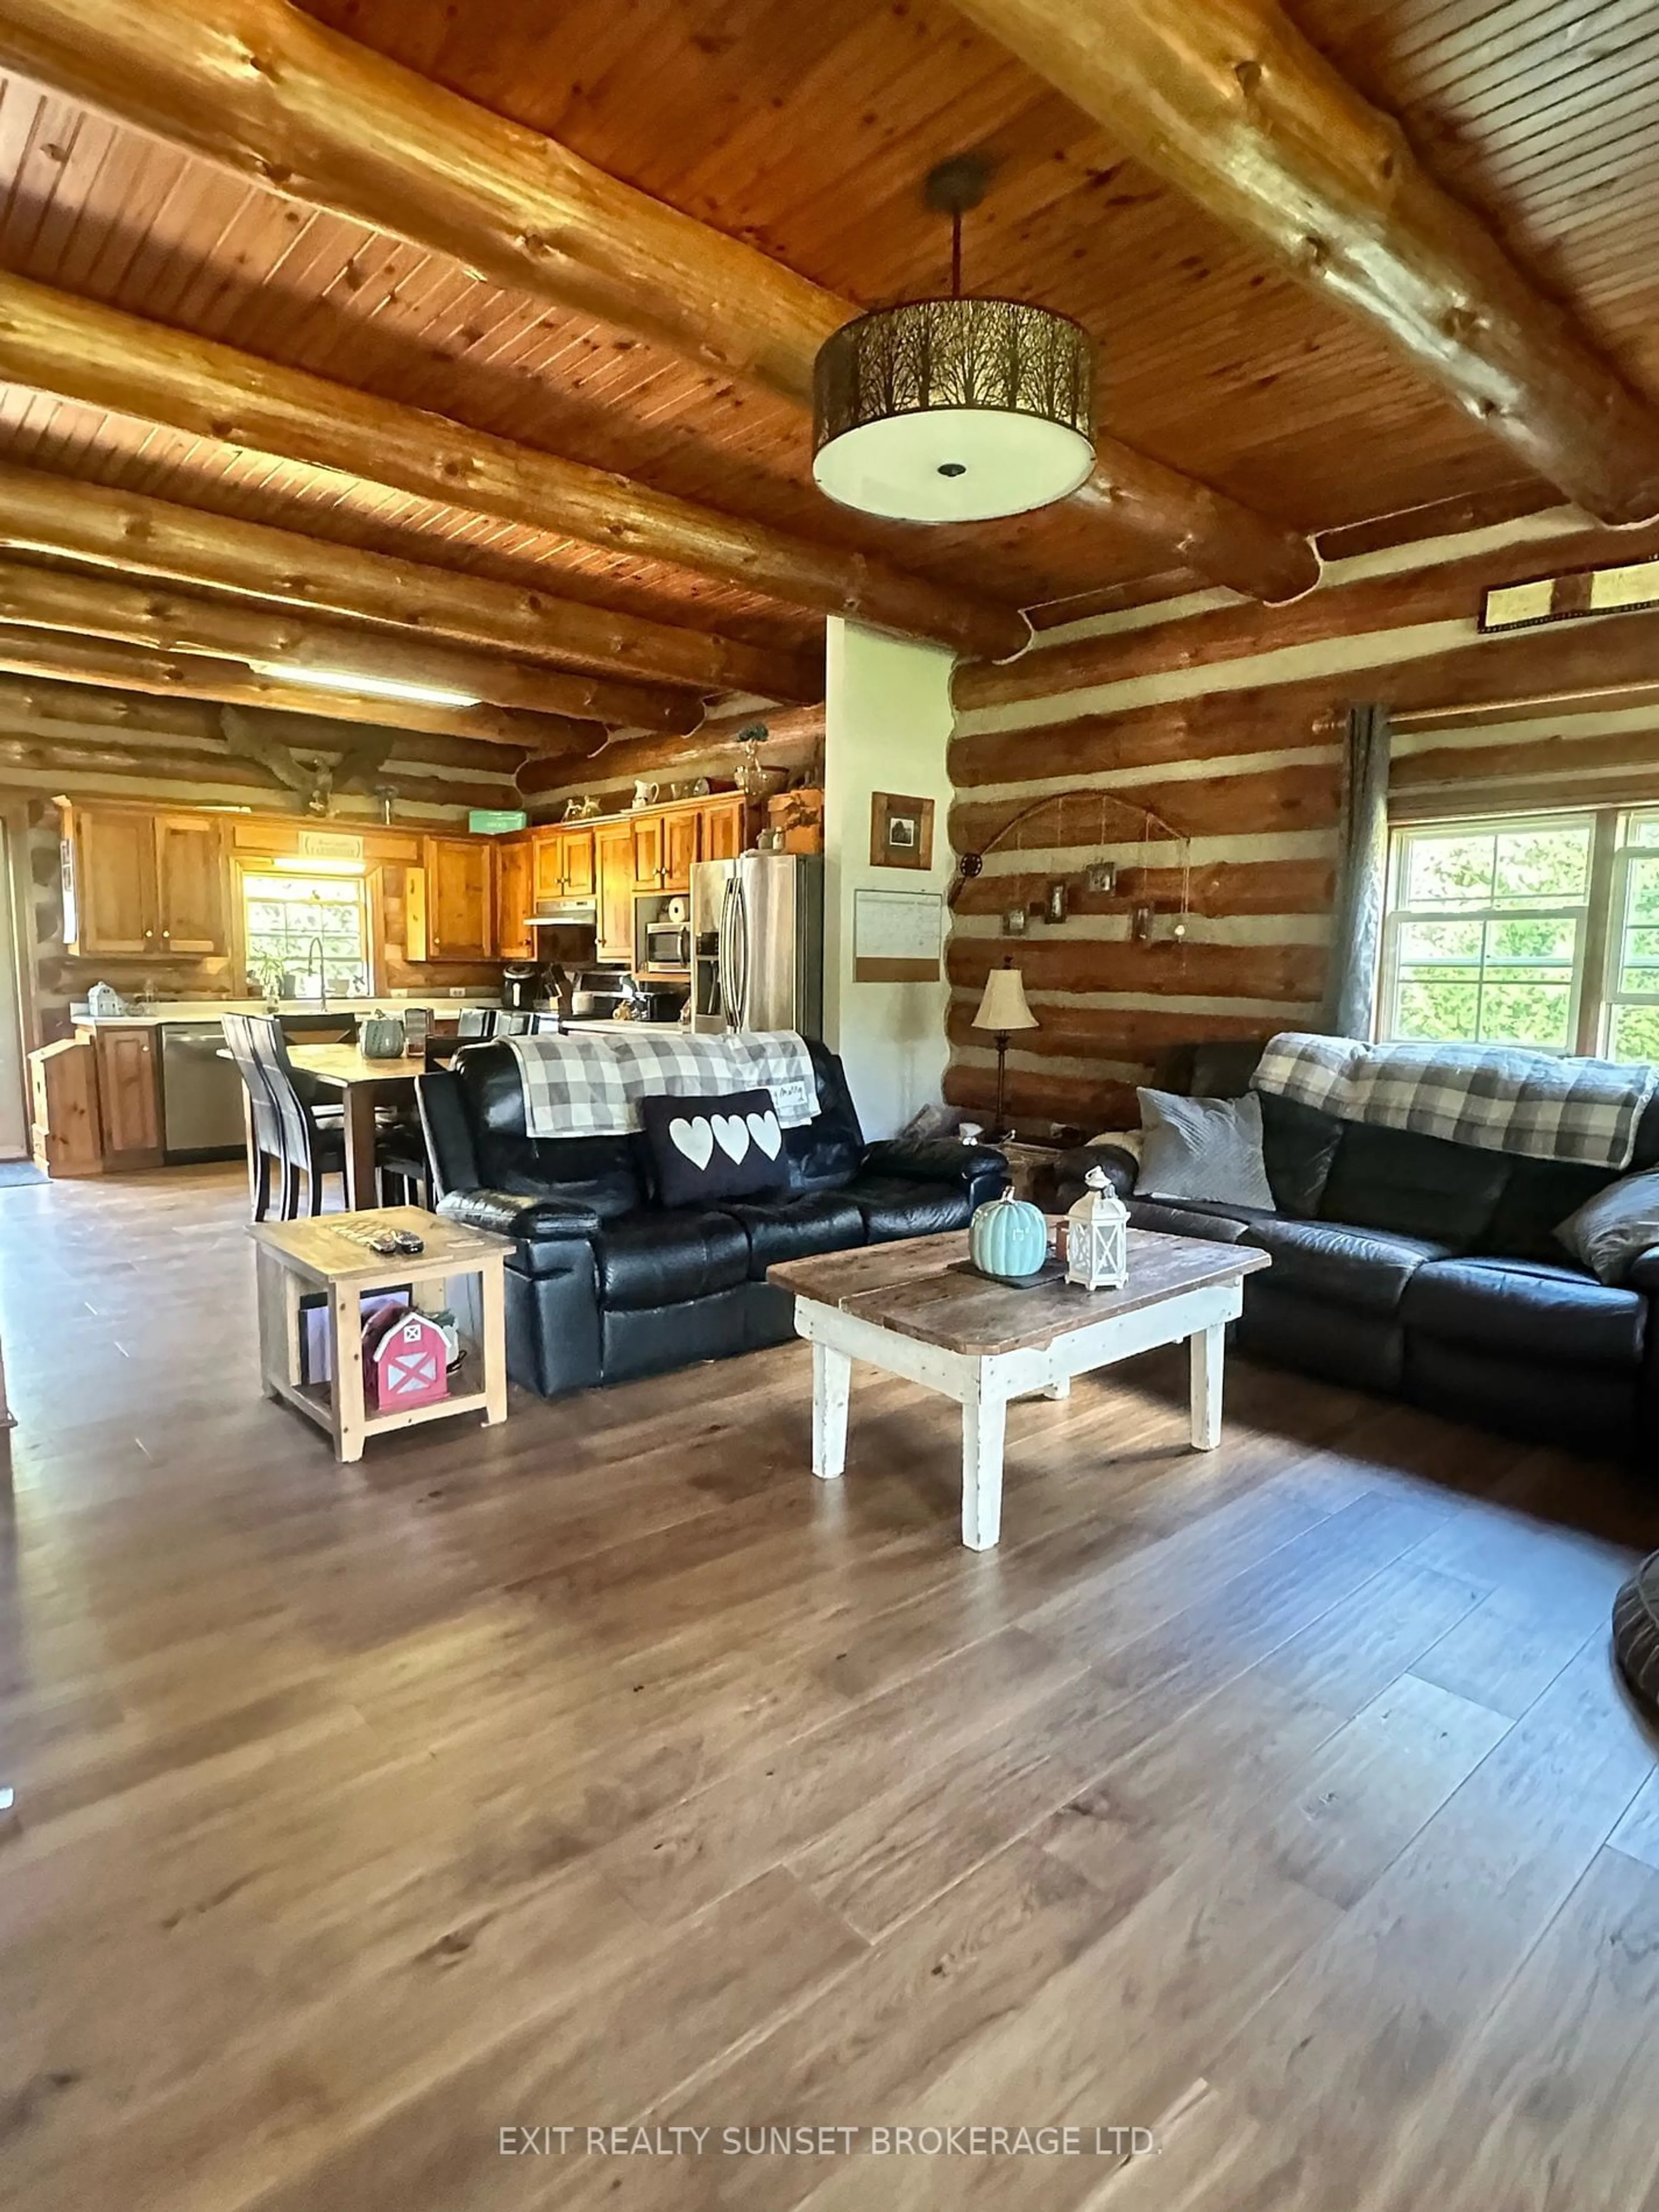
316, 946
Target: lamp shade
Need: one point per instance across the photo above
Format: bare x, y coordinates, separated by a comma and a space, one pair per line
954, 411
1003, 1006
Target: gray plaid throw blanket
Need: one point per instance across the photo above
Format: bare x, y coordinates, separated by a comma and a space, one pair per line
1500, 1097
591, 1084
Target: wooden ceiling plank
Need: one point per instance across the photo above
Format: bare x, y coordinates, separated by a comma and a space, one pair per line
45, 512
105, 358
105, 663
282, 100
1240, 111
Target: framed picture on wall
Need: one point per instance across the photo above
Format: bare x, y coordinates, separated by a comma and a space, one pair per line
901, 831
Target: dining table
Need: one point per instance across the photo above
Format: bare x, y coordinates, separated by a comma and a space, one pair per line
363, 1084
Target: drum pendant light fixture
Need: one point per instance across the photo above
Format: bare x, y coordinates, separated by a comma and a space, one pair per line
954, 410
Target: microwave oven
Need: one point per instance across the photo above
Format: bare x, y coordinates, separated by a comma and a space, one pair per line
663, 944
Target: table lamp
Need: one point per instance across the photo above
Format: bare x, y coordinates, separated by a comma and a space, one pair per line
1003, 1009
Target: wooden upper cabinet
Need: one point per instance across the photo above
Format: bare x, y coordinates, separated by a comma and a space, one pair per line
514, 897
459, 884
723, 829
577, 864
613, 856
547, 877
191, 902
647, 831
148, 885
679, 849
113, 867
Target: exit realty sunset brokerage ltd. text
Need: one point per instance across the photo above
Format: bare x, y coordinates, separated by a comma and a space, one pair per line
687, 2142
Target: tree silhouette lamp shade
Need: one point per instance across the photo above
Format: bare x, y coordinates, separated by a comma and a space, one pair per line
1002, 1010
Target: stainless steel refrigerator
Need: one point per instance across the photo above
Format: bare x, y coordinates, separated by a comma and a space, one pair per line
757, 943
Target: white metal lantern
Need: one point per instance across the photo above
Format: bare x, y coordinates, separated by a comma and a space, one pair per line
1097, 1237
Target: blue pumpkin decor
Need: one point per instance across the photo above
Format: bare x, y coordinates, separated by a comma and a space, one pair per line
1008, 1240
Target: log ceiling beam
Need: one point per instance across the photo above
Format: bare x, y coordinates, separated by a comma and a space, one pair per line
130, 531
791, 737
138, 614
279, 98
101, 357
56, 711
1229, 102
108, 663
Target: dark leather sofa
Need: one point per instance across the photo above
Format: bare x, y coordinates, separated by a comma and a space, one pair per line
603, 1283
1424, 1269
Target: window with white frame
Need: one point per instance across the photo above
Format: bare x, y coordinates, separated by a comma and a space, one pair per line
1538, 929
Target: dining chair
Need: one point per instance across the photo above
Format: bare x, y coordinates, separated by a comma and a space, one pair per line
512, 1025
546, 1025
308, 1145
264, 1139
474, 1024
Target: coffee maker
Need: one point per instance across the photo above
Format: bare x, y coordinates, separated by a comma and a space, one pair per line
523, 987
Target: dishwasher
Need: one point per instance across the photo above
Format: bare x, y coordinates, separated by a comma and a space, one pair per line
201, 1095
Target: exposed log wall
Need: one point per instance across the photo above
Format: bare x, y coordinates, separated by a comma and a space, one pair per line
1226, 722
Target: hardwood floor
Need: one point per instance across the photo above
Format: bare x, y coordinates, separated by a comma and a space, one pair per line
606, 1770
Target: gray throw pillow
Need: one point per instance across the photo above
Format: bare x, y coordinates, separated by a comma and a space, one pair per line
1204, 1148
1615, 1227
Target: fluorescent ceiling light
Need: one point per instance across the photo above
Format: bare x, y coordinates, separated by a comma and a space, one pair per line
369, 687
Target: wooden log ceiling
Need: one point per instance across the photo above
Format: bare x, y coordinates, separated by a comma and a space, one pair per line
101, 661
791, 737
80, 350
55, 726
1232, 105
43, 513
53, 600
269, 94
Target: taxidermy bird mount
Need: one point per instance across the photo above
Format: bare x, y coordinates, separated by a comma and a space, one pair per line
315, 775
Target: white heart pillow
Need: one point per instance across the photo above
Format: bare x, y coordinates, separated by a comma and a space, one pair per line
732, 1133
695, 1139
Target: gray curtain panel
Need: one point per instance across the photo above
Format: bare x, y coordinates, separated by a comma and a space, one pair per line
1361, 875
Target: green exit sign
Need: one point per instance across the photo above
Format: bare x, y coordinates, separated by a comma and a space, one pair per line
496, 822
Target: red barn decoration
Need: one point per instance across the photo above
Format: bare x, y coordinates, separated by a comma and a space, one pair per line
407, 1359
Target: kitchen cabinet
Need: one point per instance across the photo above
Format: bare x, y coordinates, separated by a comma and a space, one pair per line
722, 833
613, 862
143, 884
647, 831
459, 904
112, 869
514, 897
577, 864
547, 864
190, 905
679, 849
65, 1136
563, 863
130, 1096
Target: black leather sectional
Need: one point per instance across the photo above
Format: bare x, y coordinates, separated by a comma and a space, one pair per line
604, 1284
1430, 1271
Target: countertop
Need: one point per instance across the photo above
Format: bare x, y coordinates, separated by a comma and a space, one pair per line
208, 1010
166, 1011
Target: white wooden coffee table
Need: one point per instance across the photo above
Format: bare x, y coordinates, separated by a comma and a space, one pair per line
919, 1311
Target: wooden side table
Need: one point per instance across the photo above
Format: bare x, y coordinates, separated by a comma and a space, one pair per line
328, 1254
1025, 1161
